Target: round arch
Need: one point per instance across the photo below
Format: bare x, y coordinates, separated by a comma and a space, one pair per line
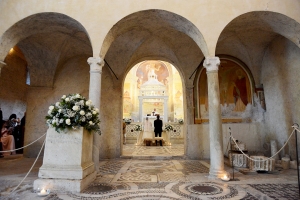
153, 22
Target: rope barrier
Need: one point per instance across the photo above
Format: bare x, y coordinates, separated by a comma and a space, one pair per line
24, 146
269, 157
30, 168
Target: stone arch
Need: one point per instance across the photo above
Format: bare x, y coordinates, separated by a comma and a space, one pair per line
239, 37
151, 22
35, 34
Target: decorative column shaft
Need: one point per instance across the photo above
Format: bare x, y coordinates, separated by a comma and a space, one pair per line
96, 64
215, 122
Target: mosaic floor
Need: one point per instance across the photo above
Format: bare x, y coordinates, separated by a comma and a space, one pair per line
164, 179
133, 151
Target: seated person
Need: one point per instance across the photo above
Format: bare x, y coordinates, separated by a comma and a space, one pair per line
7, 140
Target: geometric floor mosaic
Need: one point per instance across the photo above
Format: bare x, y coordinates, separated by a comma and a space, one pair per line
278, 191
171, 179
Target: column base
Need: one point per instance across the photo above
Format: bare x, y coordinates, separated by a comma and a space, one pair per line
215, 174
72, 185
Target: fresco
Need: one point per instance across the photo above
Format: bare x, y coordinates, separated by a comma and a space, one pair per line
235, 90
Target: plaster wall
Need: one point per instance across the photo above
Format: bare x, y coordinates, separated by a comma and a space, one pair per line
73, 77
13, 87
280, 78
198, 138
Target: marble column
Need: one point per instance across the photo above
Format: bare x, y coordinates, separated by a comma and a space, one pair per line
166, 114
2, 64
96, 64
215, 122
141, 109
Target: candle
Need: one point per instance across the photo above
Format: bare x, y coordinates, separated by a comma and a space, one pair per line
43, 191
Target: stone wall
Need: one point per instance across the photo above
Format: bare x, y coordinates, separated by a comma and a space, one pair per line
110, 116
13, 87
73, 77
280, 78
198, 138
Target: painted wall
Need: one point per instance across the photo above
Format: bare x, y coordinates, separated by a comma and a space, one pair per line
280, 78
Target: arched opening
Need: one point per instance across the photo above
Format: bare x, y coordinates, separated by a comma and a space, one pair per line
47, 60
139, 37
151, 88
271, 59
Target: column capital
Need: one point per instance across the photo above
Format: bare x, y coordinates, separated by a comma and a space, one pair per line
211, 64
96, 64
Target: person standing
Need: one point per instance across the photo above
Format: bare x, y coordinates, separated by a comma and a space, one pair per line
1, 123
124, 132
1, 118
158, 128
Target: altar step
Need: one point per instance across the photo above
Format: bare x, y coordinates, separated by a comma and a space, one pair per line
154, 157
132, 140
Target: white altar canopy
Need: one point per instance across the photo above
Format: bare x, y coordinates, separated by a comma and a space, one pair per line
153, 89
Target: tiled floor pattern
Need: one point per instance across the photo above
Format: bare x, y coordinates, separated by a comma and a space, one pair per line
170, 179
145, 151
160, 179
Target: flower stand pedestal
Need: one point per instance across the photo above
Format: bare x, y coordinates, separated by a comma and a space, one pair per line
67, 163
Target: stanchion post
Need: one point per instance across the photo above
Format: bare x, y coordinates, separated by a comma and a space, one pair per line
297, 158
231, 154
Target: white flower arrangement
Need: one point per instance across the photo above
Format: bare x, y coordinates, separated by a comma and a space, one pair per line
180, 121
137, 127
127, 120
168, 127
73, 111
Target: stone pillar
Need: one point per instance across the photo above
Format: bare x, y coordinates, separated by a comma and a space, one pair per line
166, 109
215, 122
96, 64
141, 109
2, 64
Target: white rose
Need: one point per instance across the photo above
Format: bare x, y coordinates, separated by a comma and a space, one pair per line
75, 108
77, 95
87, 103
64, 96
51, 107
50, 112
59, 110
68, 121
57, 104
53, 121
67, 99
94, 112
97, 110
91, 123
82, 112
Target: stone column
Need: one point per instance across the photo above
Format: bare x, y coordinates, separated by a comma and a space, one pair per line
141, 108
96, 64
215, 122
166, 109
2, 64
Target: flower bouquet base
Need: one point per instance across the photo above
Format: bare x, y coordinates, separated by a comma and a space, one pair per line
67, 162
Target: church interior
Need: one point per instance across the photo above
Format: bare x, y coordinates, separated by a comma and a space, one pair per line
222, 76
